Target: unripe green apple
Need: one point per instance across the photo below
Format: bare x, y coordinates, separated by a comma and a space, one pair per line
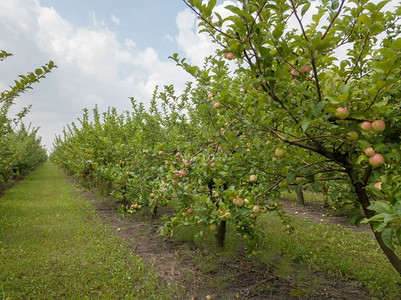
212, 227
227, 215
253, 178
352, 135
279, 152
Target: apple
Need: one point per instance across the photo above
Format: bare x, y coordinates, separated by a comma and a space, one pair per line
366, 126
202, 188
378, 185
378, 125
178, 154
176, 175
238, 201
152, 194
294, 72
183, 173
208, 297
352, 135
161, 152
227, 215
229, 55
187, 164
370, 151
256, 208
219, 148
376, 160
246, 201
210, 95
288, 226
212, 164
212, 227
216, 104
190, 210
279, 152
298, 180
305, 69
253, 178
184, 214
342, 113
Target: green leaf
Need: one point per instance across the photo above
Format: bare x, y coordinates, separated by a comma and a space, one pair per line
305, 124
387, 236
305, 8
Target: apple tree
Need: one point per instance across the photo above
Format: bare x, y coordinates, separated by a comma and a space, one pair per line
318, 83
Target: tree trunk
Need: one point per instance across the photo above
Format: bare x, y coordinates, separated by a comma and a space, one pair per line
221, 234
300, 195
364, 201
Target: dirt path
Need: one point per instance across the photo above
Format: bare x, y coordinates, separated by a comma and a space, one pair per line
239, 279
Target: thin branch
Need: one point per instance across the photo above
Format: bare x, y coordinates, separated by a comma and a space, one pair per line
334, 18
299, 20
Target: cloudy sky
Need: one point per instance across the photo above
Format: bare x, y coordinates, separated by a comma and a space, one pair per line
106, 51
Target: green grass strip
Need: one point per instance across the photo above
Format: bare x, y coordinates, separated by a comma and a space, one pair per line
53, 245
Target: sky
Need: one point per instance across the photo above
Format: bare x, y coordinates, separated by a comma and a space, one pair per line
106, 51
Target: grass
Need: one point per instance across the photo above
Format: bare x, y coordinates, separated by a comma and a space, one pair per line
312, 250
54, 246
336, 250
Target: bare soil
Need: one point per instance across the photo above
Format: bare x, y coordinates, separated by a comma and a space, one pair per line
241, 278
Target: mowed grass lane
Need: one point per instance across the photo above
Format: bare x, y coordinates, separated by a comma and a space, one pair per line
53, 245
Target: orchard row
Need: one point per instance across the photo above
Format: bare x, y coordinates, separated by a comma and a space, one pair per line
20, 149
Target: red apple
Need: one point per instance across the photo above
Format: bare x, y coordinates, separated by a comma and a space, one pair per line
342, 113
212, 164
378, 125
256, 208
366, 126
294, 72
378, 185
229, 55
370, 151
376, 160
305, 69
210, 95
238, 201
279, 152
187, 164
183, 173
216, 104
253, 178
161, 152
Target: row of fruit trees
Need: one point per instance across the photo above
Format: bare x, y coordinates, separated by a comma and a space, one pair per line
20, 148
284, 104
